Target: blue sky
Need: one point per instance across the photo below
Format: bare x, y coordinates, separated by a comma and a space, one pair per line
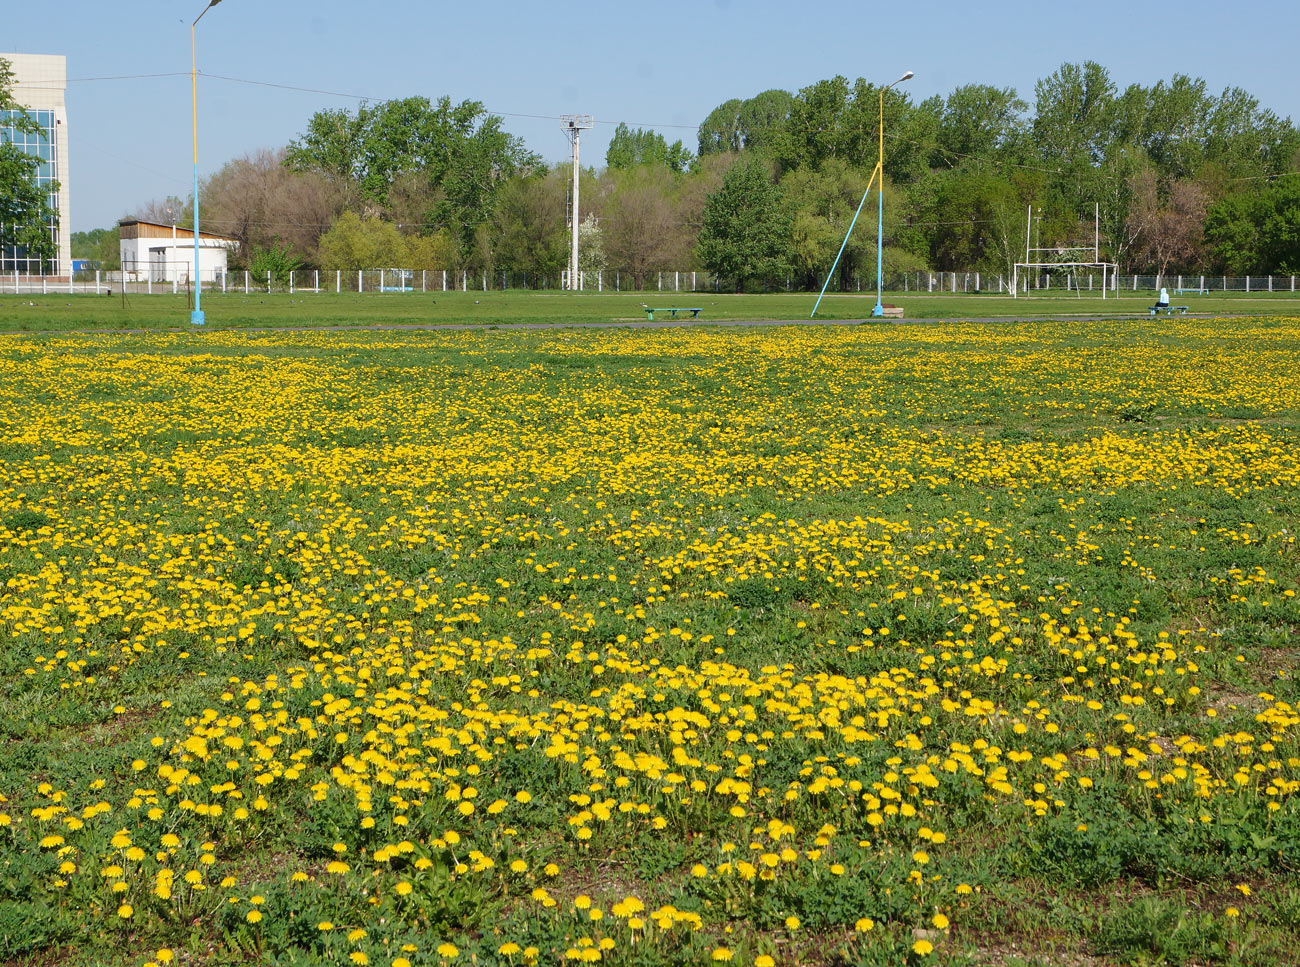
663, 65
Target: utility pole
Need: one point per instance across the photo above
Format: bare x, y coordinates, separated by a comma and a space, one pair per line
574, 125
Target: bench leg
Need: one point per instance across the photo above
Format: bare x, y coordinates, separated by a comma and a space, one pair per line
695, 313
650, 315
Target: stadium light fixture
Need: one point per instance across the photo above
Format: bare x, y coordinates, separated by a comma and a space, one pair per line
879, 309
196, 317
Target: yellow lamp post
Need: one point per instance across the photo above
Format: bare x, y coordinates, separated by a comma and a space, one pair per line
879, 309
196, 317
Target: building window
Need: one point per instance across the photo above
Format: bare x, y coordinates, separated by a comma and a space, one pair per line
41, 144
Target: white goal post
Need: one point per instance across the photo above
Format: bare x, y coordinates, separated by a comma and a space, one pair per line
1034, 257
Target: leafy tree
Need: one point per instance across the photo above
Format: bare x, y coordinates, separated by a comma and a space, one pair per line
265, 205
362, 243
978, 121
276, 260
100, 245
975, 217
1170, 222
721, 131
822, 204
591, 246
460, 152
1074, 112
643, 223
528, 224
738, 125
629, 148
746, 226
1258, 232
26, 214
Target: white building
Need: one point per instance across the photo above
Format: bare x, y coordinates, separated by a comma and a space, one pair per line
165, 253
40, 83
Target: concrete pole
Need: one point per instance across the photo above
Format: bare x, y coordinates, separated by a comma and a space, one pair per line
573, 256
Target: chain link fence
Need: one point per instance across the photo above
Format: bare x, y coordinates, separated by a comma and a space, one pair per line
403, 281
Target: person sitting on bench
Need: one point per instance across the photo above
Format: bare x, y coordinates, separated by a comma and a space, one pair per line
1163, 301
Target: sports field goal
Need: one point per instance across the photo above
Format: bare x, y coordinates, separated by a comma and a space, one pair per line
1073, 259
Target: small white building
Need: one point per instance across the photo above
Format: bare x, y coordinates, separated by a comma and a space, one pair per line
165, 253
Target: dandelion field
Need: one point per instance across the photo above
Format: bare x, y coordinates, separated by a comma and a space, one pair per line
961, 644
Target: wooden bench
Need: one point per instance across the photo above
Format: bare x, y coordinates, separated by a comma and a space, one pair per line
672, 313
1171, 310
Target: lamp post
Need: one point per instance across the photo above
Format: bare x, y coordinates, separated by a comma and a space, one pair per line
879, 309
196, 317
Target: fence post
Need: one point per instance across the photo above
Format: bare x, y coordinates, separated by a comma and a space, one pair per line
600, 280
676, 282
693, 281
176, 284
661, 281
1270, 282
268, 282
1248, 283
360, 281
291, 273
96, 281
1202, 285
444, 280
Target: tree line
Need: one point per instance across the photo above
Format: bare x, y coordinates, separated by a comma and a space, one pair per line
1180, 179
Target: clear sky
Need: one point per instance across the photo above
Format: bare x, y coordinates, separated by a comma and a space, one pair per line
663, 65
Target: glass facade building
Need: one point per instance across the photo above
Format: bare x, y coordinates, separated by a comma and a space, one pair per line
42, 144
40, 84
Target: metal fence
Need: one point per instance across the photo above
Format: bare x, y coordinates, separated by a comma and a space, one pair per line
398, 281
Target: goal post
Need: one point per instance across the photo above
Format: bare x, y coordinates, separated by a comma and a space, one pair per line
1062, 257
1107, 269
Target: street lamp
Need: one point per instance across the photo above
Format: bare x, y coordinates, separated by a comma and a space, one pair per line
879, 309
196, 317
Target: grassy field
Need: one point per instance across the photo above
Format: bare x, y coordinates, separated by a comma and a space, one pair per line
961, 644
259, 310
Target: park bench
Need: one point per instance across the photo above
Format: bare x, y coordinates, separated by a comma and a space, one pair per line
1198, 291
1170, 310
672, 312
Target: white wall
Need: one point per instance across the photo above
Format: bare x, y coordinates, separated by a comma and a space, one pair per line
165, 260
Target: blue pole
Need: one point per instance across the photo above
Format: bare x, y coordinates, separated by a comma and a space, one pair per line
879, 310
831, 273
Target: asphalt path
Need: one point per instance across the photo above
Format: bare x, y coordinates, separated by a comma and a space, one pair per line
618, 324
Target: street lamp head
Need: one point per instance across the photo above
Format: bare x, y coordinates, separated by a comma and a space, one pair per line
906, 77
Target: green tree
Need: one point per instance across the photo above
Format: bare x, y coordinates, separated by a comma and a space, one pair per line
1074, 112
978, 121
26, 215
975, 218
744, 125
354, 242
528, 223
746, 227
460, 152
822, 204
629, 148
1258, 232
100, 245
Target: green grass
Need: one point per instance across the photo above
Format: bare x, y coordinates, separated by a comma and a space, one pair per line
453, 532
163, 311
